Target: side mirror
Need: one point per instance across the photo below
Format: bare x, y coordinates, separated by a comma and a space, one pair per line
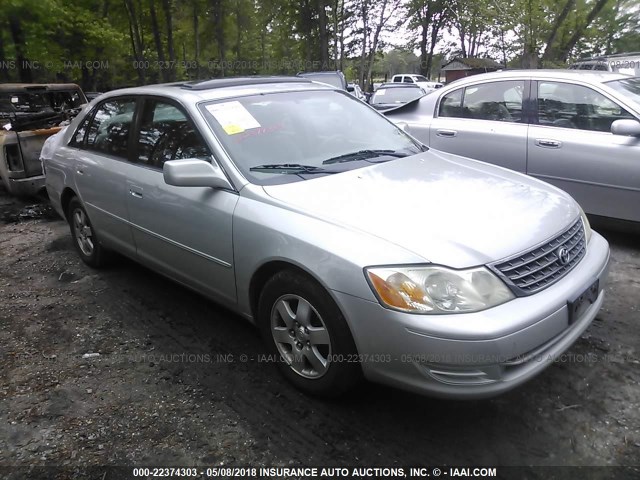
350, 88
630, 128
194, 173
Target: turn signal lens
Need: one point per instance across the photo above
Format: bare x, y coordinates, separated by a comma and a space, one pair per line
401, 292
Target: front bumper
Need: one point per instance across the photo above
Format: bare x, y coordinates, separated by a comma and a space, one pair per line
480, 354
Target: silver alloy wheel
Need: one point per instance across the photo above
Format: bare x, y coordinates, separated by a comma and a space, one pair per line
301, 336
82, 229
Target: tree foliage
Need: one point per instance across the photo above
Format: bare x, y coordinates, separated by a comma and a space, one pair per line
104, 44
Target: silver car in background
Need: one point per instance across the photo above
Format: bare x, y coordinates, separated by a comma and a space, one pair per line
393, 95
627, 63
356, 252
578, 130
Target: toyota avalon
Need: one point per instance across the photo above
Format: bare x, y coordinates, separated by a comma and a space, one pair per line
357, 252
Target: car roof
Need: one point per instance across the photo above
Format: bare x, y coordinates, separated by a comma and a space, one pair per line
557, 74
615, 56
323, 72
237, 82
28, 87
223, 88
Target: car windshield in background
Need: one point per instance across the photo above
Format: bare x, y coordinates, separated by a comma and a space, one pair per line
396, 95
36, 101
31, 109
629, 87
285, 137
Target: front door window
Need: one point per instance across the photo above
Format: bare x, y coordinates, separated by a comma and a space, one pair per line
167, 134
573, 106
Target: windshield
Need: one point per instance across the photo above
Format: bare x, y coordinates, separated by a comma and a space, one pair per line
396, 95
629, 87
292, 136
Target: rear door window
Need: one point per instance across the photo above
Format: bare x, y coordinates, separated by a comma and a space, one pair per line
497, 101
78, 137
109, 130
451, 104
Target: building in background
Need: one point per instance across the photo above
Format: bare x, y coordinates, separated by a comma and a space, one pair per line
464, 67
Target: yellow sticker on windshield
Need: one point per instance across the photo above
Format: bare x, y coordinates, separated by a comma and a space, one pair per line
233, 117
233, 129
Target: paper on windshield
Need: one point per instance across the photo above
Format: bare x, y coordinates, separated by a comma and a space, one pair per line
233, 117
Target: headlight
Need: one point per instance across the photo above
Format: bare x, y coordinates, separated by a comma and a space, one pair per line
434, 289
587, 226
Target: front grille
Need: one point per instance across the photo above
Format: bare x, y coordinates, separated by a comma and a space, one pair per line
541, 267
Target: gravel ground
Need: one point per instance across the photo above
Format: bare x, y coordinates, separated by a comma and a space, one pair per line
124, 367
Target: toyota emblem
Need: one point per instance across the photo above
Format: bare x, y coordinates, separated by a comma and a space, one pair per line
563, 255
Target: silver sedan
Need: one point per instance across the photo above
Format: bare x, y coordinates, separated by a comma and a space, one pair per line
356, 252
578, 130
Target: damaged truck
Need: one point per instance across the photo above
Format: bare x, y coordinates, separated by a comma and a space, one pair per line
29, 114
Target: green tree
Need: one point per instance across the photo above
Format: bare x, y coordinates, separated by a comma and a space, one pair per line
429, 18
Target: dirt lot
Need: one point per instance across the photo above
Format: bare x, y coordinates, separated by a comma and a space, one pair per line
123, 367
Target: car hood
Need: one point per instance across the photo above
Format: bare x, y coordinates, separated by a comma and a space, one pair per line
447, 209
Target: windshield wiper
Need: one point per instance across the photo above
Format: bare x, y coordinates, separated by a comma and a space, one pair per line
294, 168
363, 155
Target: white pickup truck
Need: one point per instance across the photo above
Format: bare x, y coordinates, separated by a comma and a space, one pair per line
419, 80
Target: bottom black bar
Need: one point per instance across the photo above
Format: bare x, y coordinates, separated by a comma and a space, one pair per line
321, 472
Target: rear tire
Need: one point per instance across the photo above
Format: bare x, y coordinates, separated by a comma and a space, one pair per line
85, 240
304, 328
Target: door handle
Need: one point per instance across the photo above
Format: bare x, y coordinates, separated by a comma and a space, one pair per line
547, 143
135, 194
446, 133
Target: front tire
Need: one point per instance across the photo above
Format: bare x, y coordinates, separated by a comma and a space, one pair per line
304, 328
84, 236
